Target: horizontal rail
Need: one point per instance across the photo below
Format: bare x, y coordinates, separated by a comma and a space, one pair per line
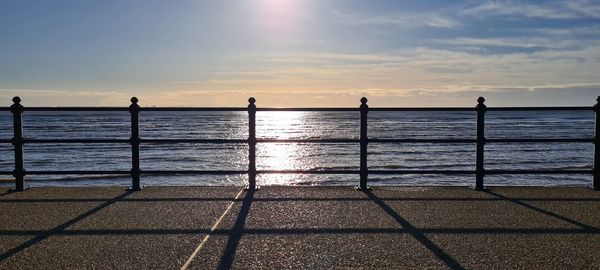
229, 109
307, 171
192, 172
95, 172
334, 140
421, 109
307, 109
541, 140
571, 108
466, 109
194, 109
75, 109
491, 172
146, 172
172, 141
499, 140
48, 141
422, 140
341, 140
549, 171
232, 172
6, 141
385, 172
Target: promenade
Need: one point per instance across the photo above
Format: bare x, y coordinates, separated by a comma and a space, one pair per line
300, 227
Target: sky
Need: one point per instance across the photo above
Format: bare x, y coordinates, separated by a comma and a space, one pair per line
299, 52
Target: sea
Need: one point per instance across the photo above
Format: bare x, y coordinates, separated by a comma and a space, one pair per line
301, 156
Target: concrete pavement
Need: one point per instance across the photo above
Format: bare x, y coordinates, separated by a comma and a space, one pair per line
300, 227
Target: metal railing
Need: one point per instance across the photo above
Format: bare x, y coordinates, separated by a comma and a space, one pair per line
18, 141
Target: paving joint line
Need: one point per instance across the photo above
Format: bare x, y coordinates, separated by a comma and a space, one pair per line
212, 229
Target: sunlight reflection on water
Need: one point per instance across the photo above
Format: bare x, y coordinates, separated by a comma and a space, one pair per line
300, 156
279, 156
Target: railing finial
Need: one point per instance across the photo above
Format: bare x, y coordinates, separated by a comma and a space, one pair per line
134, 108
16, 107
480, 105
363, 100
597, 105
252, 100
481, 100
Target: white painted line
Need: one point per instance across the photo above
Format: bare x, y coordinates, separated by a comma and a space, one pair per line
214, 227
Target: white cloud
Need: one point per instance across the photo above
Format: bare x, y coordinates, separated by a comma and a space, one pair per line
570, 9
451, 95
542, 95
562, 32
45, 97
523, 42
587, 8
398, 20
441, 22
397, 74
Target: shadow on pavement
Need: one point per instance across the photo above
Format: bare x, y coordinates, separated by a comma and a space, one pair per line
57, 230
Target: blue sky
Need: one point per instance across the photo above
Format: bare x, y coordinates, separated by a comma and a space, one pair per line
300, 53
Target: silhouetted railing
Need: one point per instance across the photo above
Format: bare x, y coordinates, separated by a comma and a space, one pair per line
135, 141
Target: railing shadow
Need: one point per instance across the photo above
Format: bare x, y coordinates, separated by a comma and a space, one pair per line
543, 211
87, 200
237, 232
59, 229
415, 232
300, 199
301, 231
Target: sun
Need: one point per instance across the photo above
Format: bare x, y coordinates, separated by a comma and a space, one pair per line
282, 17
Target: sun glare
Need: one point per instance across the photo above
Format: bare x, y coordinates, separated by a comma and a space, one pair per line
282, 16
279, 156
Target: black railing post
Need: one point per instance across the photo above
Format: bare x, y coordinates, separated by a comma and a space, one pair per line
251, 144
134, 110
596, 184
17, 141
364, 141
479, 169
